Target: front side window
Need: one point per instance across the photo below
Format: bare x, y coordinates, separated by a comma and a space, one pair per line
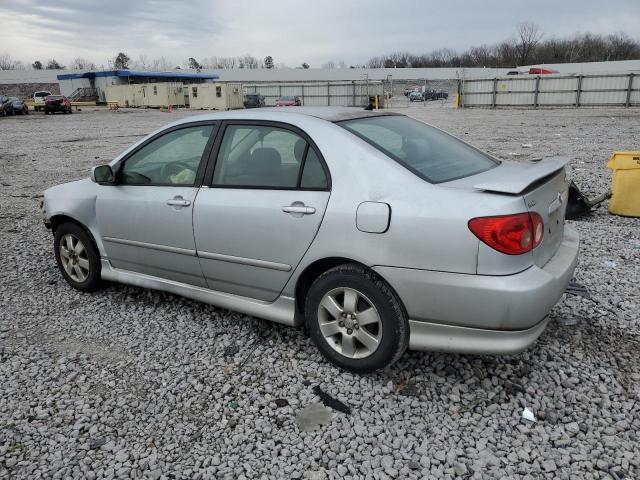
172, 159
426, 151
267, 157
218, 92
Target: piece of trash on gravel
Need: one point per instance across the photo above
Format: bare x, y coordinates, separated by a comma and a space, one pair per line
329, 401
515, 154
528, 415
281, 402
610, 264
231, 350
526, 145
313, 416
233, 404
574, 288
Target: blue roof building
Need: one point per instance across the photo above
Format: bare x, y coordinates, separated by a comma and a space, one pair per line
94, 83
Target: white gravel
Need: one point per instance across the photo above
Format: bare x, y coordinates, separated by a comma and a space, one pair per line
134, 383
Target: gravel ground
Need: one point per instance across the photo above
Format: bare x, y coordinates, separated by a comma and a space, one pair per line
134, 383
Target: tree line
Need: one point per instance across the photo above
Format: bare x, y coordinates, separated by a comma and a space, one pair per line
142, 62
526, 47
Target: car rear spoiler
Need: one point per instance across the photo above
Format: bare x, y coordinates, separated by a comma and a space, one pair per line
515, 177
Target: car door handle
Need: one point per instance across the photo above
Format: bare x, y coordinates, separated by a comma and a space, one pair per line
178, 202
304, 210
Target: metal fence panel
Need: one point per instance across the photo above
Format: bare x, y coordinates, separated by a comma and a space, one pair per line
354, 93
552, 91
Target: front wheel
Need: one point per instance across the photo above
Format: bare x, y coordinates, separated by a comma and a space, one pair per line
356, 320
77, 257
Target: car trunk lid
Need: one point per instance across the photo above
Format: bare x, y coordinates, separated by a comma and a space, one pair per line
544, 188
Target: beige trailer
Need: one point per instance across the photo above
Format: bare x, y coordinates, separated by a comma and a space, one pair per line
216, 96
124, 95
147, 94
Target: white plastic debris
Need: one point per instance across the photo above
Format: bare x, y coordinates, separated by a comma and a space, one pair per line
528, 415
515, 154
610, 264
526, 145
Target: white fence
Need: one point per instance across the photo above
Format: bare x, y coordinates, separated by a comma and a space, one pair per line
343, 94
622, 90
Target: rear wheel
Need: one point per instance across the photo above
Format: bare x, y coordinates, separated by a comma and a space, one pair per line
77, 257
356, 320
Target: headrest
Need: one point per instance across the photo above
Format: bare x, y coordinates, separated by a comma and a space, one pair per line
298, 149
266, 160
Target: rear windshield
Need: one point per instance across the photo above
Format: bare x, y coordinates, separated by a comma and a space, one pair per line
428, 152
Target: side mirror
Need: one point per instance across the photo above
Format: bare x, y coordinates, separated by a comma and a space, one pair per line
102, 174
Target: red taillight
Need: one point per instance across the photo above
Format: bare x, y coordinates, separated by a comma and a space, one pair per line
511, 234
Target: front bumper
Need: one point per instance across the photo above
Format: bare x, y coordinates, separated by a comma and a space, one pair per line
482, 313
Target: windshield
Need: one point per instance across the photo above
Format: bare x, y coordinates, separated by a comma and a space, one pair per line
430, 153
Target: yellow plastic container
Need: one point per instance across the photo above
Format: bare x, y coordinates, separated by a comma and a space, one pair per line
625, 184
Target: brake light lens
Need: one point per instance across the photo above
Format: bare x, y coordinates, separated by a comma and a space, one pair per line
511, 234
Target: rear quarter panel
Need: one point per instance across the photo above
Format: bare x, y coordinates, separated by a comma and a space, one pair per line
428, 227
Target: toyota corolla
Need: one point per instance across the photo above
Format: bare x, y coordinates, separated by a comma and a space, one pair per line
376, 231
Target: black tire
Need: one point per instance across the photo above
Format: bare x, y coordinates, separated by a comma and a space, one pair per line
92, 281
394, 323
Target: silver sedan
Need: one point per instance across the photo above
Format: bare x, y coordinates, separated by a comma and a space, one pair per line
376, 231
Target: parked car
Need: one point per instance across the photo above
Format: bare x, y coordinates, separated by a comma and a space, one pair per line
288, 102
19, 107
253, 100
438, 95
380, 232
6, 107
416, 97
57, 103
38, 99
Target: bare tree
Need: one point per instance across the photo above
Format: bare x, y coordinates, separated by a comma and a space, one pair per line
141, 63
330, 65
528, 35
80, 63
160, 64
248, 61
8, 63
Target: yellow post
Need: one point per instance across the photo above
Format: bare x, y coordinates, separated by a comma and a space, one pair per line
457, 101
376, 101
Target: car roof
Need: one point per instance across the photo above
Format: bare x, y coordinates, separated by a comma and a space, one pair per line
330, 114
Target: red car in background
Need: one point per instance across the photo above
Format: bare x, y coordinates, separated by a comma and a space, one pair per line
57, 103
288, 102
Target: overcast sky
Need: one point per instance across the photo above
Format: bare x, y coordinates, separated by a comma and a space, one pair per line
291, 31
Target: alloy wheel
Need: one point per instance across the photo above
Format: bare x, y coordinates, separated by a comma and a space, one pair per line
350, 323
73, 257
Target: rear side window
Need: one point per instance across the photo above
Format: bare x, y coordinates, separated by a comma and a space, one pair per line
258, 156
428, 152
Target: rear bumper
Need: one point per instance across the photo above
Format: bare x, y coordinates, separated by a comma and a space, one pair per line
482, 313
